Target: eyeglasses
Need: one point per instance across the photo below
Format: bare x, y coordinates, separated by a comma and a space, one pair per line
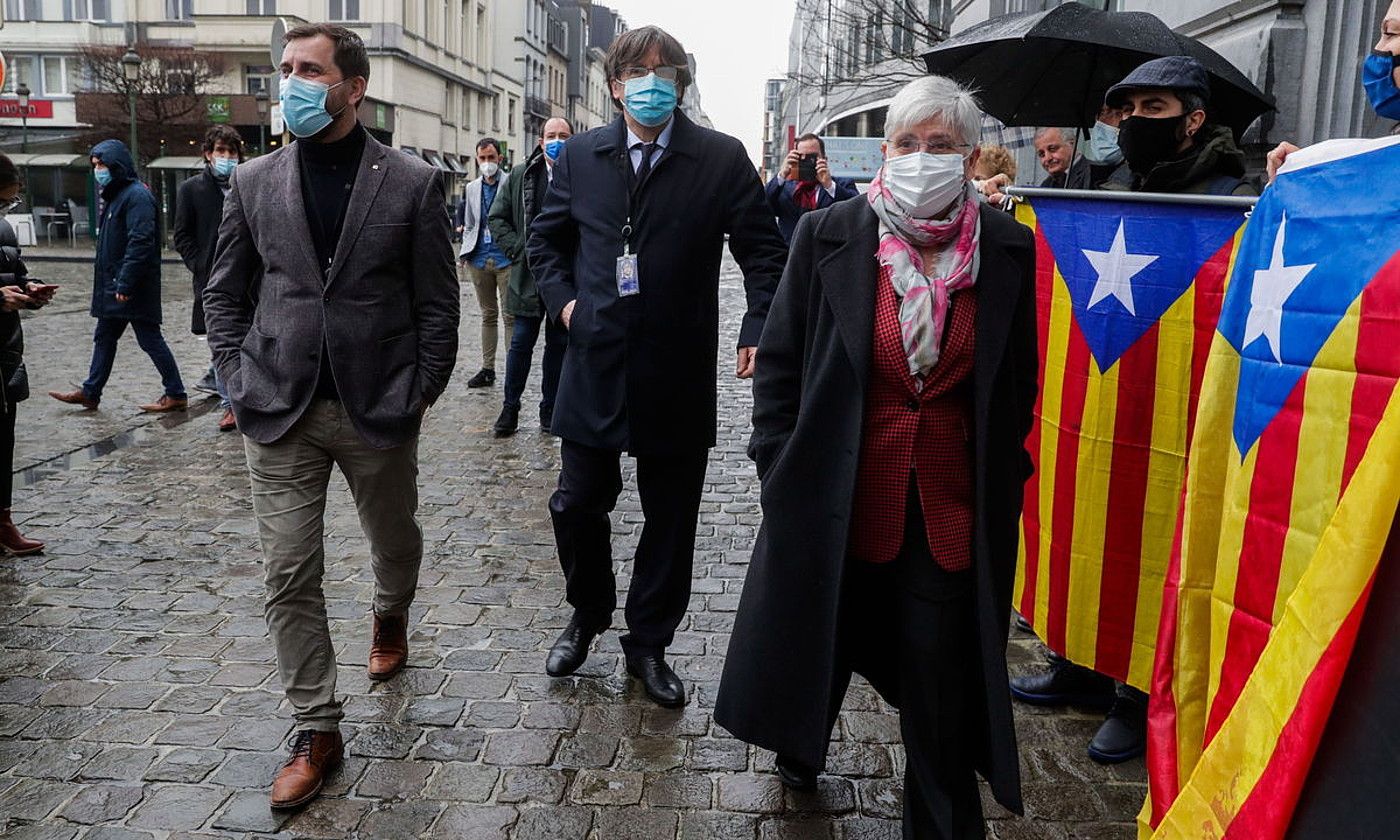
909, 145
665, 71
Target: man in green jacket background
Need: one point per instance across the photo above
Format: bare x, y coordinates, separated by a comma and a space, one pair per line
511, 214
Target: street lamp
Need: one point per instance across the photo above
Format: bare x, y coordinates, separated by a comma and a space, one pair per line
264, 108
22, 91
131, 70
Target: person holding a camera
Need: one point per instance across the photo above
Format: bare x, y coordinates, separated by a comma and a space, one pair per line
805, 184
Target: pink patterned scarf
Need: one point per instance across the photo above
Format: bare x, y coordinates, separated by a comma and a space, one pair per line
923, 296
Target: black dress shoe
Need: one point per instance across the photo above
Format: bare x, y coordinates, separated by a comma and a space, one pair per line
546, 418
483, 378
661, 683
1123, 735
507, 423
1064, 684
570, 649
794, 776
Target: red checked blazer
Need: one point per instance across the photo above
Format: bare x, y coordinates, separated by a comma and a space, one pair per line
927, 431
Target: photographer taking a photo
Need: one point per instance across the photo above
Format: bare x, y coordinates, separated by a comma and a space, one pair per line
805, 184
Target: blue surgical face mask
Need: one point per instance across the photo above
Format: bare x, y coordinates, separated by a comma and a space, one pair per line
650, 99
1103, 144
103, 177
223, 167
304, 105
1378, 77
552, 149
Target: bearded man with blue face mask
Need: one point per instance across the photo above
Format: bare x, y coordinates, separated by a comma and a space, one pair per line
626, 254
332, 310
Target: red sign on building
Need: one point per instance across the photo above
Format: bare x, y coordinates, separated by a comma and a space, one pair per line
39, 109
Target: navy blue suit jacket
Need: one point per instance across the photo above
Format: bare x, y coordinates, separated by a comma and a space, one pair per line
640, 372
780, 192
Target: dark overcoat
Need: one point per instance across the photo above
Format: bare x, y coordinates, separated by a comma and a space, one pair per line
639, 374
199, 206
128, 250
814, 366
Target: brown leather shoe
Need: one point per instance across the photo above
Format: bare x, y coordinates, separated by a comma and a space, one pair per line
389, 650
12, 541
78, 397
315, 755
228, 423
165, 403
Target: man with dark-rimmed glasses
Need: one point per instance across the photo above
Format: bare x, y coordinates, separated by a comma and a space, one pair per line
626, 253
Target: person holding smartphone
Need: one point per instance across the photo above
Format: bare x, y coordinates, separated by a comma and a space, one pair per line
805, 184
17, 292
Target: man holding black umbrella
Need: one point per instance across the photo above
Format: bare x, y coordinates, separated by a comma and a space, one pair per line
1170, 146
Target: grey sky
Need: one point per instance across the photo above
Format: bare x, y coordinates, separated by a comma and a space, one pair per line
738, 45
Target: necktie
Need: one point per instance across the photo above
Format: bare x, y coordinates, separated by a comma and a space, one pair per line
643, 170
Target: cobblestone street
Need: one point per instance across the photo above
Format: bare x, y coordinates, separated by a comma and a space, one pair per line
137, 693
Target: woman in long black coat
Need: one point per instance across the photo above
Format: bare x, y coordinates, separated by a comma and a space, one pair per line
914, 601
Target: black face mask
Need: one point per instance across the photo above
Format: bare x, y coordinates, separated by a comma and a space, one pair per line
1148, 141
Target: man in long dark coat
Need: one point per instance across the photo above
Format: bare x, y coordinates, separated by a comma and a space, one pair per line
626, 253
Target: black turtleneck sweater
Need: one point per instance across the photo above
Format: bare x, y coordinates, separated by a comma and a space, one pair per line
328, 173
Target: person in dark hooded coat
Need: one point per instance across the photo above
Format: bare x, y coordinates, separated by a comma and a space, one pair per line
126, 281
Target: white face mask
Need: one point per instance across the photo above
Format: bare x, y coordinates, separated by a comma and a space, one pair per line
490, 168
923, 184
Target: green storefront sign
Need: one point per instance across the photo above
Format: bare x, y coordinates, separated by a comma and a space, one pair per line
380, 112
218, 109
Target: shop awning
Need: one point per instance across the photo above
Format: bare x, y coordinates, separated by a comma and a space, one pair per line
63, 160
176, 163
436, 160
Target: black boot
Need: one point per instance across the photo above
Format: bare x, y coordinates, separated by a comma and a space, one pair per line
1064, 684
571, 648
483, 378
661, 683
795, 776
508, 422
1123, 735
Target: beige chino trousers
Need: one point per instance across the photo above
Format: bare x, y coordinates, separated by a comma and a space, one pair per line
289, 479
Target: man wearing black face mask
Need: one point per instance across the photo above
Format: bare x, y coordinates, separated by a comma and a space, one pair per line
1167, 140
1170, 147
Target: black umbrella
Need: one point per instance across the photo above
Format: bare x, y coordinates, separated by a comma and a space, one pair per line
1054, 67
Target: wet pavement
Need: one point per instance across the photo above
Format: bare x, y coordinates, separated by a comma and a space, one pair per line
138, 699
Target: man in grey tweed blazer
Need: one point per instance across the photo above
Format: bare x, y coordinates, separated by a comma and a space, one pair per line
332, 309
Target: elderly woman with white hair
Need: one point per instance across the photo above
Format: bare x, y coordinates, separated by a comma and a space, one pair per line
892, 398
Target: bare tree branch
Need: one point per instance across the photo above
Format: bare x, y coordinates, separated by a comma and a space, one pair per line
867, 40
169, 88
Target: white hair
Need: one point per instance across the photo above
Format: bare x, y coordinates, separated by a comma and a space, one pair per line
1068, 136
935, 97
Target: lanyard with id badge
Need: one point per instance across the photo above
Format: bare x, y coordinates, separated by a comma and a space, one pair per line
628, 274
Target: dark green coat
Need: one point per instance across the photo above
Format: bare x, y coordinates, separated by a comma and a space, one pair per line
512, 211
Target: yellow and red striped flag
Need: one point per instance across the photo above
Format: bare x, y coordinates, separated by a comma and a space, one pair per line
1128, 296
1292, 487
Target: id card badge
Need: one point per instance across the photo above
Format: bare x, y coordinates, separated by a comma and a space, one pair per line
628, 283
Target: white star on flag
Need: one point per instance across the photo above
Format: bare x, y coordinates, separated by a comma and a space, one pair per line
1116, 268
1272, 288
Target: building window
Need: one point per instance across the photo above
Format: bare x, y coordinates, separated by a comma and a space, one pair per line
62, 75
24, 10
496, 112
77, 10
21, 68
179, 9
345, 10
510, 116
262, 7
260, 77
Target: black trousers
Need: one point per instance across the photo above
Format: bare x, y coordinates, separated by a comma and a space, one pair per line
590, 481
7, 448
908, 627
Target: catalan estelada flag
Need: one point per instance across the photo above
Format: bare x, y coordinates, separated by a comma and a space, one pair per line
1291, 491
1128, 294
